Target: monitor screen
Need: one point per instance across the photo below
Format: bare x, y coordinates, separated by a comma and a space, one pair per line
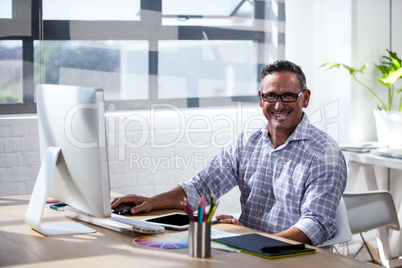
72, 138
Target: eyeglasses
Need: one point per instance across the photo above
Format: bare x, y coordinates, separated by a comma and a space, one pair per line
287, 97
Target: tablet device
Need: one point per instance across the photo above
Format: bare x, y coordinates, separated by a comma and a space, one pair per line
178, 221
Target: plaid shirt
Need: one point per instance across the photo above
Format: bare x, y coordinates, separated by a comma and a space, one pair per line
298, 184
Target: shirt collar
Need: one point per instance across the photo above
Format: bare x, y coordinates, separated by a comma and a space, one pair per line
302, 129
300, 132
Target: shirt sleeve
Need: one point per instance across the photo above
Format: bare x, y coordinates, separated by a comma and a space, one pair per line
320, 203
218, 178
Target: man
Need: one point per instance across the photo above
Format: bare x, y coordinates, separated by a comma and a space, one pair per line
291, 175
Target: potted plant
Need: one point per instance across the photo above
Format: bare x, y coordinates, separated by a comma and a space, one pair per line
388, 119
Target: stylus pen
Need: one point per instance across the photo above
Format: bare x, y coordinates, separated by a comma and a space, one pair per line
278, 249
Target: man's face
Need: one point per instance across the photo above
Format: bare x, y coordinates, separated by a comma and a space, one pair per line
283, 117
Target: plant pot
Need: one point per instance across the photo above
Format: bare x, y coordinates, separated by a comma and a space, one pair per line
389, 127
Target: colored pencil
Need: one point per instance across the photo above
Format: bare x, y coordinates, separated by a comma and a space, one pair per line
211, 214
190, 211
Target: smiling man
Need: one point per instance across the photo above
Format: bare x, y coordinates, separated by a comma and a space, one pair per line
291, 175
280, 103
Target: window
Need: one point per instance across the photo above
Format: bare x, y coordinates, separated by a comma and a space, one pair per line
120, 68
91, 10
6, 10
204, 68
182, 52
11, 71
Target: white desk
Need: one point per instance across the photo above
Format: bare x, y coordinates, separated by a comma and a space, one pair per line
367, 162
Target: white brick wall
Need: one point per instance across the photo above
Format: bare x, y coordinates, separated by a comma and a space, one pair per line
149, 151
19, 154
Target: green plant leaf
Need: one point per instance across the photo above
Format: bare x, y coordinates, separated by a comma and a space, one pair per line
363, 67
332, 64
392, 77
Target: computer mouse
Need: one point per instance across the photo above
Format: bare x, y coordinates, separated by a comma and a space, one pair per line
122, 211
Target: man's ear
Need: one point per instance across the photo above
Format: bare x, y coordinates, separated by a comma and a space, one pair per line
261, 102
306, 98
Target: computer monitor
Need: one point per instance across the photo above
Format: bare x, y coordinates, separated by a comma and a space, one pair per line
74, 168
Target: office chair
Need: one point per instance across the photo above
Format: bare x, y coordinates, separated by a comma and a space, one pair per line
343, 233
373, 210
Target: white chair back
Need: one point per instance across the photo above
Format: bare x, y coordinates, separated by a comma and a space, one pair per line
371, 210
343, 233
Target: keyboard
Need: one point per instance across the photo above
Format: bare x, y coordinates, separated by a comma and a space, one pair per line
119, 223
137, 225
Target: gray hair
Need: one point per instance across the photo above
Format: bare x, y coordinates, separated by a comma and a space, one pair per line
281, 66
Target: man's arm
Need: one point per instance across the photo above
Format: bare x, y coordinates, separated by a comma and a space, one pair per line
326, 183
295, 234
292, 233
166, 200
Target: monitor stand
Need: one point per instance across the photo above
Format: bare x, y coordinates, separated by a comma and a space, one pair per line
33, 216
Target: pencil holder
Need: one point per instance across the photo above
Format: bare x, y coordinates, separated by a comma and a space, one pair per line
199, 239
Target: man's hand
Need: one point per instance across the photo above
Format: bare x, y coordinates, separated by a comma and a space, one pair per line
137, 203
167, 200
227, 219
